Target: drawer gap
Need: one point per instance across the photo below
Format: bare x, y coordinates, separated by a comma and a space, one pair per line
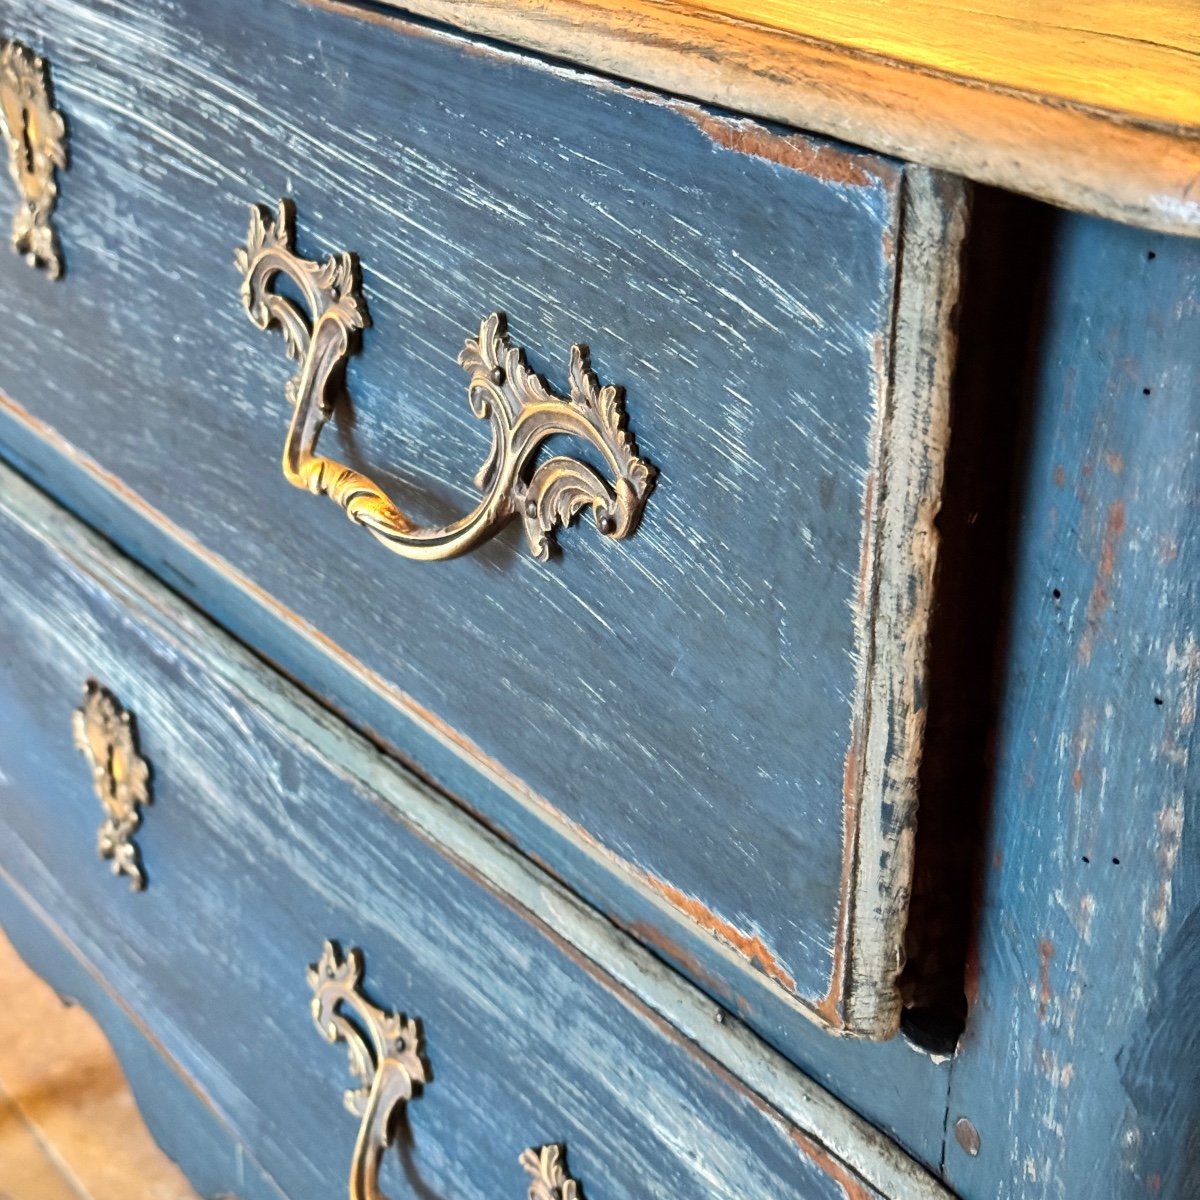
1005, 255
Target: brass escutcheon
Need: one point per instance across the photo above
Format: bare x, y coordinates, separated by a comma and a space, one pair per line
107, 736
37, 144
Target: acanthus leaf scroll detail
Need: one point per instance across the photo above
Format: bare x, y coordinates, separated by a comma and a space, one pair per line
321, 332
547, 1166
387, 1059
106, 735
36, 137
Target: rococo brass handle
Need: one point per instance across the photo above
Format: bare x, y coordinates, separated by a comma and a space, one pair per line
503, 389
387, 1058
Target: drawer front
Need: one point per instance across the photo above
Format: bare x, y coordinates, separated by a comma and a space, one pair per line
255, 848
723, 711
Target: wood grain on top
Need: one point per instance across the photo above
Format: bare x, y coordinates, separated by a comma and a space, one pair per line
1095, 106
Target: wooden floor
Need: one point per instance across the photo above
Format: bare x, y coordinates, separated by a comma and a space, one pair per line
69, 1128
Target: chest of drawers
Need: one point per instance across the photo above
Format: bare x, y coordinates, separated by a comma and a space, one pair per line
869, 493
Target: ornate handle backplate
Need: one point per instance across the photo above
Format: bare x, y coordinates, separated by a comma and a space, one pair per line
387, 1058
37, 144
107, 736
522, 410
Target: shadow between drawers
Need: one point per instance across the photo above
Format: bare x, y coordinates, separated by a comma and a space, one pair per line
1000, 319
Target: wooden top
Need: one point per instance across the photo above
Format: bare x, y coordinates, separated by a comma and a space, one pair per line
1090, 104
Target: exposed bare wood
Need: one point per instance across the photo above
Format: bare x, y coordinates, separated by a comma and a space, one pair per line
1092, 106
913, 432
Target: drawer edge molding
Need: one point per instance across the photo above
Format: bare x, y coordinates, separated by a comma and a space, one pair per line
830, 1129
899, 564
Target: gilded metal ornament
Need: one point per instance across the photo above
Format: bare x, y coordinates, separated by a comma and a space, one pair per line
37, 144
548, 1167
106, 735
520, 406
387, 1057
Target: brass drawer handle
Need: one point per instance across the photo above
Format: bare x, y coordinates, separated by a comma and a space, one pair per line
107, 736
522, 410
37, 143
387, 1058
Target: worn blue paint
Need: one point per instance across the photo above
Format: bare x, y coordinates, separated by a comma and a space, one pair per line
256, 849
900, 1090
1081, 1039
181, 321
216, 1163
1080, 1067
685, 699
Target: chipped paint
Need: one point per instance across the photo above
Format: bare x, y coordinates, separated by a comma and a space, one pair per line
750, 945
1087, 910
1044, 994
832, 164
852, 1187
1183, 669
1100, 598
1168, 823
673, 952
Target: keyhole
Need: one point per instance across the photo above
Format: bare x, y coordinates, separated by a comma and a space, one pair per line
26, 148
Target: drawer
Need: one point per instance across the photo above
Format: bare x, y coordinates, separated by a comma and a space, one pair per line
256, 845
712, 727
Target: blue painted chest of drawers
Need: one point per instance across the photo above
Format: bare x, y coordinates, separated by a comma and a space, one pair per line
869, 494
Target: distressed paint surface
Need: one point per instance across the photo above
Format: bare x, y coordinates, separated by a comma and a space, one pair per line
217, 1165
257, 847
1080, 1067
1053, 100
902, 1091
745, 304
